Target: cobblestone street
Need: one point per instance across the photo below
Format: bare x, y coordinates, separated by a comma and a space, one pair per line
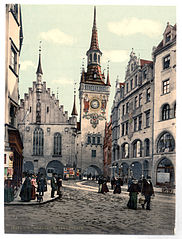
83, 210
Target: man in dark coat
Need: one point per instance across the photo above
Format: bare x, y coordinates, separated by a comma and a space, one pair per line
26, 190
53, 185
41, 185
113, 182
59, 185
147, 191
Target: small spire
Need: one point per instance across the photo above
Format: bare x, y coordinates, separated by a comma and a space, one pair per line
57, 92
108, 81
39, 68
74, 111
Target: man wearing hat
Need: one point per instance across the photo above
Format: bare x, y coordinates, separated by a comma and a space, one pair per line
53, 185
147, 191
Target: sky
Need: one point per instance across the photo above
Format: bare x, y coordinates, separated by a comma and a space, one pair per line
65, 35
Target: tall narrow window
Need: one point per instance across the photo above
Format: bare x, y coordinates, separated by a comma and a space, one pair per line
147, 115
93, 139
136, 81
93, 153
88, 139
166, 62
148, 95
175, 110
126, 128
38, 141
90, 57
131, 84
127, 107
166, 112
13, 59
98, 139
168, 37
123, 110
140, 122
136, 102
140, 100
57, 144
122, 133
147, 147
135, 124
127, 87
95, 57
165, 86
137, 149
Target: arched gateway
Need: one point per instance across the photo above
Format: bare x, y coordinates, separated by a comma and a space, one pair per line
165, 172
54, 166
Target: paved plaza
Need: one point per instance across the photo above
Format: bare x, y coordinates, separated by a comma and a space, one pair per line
82, 210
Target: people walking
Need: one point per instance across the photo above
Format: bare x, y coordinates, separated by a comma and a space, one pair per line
53, 185
117, 188
41, 185
100, 181
147, 191
26, 189
104, 188
59, 185
33, 182
133, 190
113, 182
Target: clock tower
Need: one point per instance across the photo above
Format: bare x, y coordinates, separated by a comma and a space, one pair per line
94, 94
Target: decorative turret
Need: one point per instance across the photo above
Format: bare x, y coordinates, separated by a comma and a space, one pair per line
74, 111
108, 81
39, 72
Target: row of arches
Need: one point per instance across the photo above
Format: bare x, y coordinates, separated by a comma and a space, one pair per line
165, 143
164, 170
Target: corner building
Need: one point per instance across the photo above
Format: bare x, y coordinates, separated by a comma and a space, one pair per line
93, 94
164, 146
132, 113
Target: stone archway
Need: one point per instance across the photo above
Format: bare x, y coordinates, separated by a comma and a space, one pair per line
42, 170
92, 170
28, 167
165, 172
54, 166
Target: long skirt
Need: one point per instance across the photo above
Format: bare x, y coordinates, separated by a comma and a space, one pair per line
33, 193
104, 188
132, 203
117, 189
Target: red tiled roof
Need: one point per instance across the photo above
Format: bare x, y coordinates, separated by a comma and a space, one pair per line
144, 62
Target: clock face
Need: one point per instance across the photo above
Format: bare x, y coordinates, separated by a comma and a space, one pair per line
94, 104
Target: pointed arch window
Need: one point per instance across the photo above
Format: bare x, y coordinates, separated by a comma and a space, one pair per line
166, 112
38, 141
57, 144
147, 147
137, 149
166, 143
125, 150
95, 57
90, 57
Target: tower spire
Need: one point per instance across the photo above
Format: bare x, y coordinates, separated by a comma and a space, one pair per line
74, 111
94, 45
39, 68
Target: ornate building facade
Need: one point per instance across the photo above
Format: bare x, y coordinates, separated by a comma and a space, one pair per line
164, 146
132, 113
48, 134
94, 93
12, 142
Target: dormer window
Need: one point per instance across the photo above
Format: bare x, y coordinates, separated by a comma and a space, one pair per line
168, 37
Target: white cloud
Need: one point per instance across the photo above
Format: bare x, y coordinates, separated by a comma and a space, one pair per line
63, 81
131, 26
115, 56
57, 36
26, 64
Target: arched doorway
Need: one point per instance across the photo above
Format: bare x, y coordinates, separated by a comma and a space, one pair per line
165, 172
28, 167
54, 166
92, 171
136, 170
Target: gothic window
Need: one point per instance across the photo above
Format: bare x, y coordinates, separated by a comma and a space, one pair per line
90, 57
38, 141
147, 147
99, 59
166, 143
136, 102
57, 144
166, 62
125, 150
95, 57
136, 81
131, 84
137, 149
166, 112
126, 128
135, 124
